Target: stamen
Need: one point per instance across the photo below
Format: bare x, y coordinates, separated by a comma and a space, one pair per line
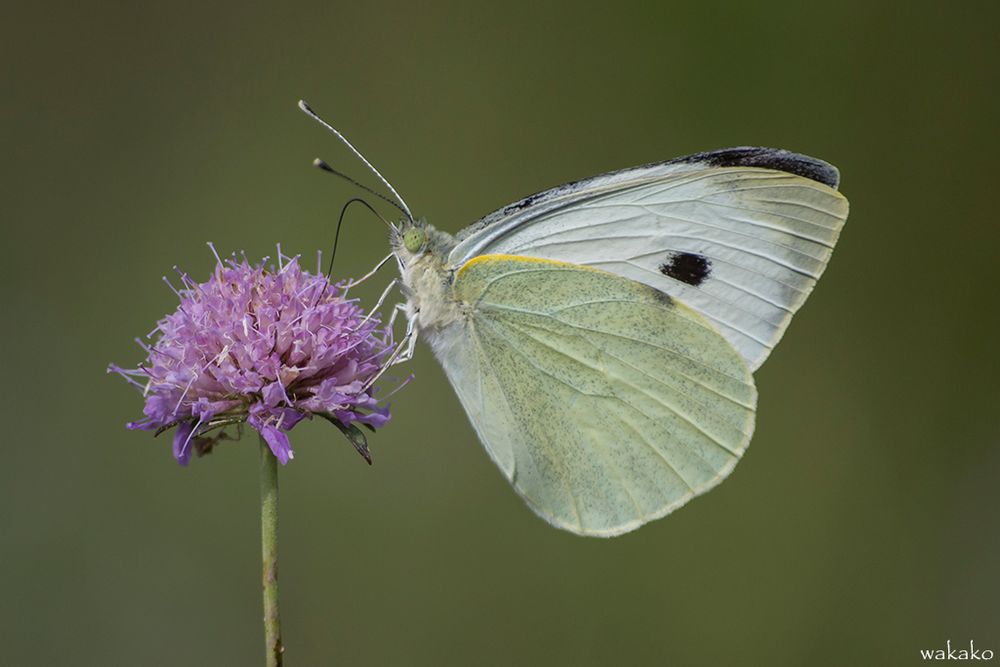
172, 288
218, 259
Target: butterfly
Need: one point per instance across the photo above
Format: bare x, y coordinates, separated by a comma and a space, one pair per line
602, 335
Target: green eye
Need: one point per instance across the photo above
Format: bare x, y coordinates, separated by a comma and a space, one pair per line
414, 238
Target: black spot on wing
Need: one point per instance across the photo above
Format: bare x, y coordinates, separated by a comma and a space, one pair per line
769, 158
687, 267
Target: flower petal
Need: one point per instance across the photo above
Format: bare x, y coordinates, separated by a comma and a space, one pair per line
273, 394
278, 442
182, 437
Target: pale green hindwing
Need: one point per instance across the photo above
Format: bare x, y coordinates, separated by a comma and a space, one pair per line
605, 402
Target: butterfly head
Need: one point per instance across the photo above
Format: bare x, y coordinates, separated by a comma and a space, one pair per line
409, 240
414, 240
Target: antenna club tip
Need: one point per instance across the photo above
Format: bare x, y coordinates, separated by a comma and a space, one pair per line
305, 106
320, 164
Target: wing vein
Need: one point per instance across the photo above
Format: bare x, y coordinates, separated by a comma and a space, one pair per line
645, 440
569, 492
788, 250
669, 406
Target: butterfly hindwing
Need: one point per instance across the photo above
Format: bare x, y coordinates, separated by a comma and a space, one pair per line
604, 402
740, 235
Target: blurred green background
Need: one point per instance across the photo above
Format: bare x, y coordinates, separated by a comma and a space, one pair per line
861, 526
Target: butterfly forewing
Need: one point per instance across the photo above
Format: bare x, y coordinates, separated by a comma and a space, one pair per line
739, 235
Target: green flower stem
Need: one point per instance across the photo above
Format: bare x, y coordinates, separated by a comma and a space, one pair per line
269, 541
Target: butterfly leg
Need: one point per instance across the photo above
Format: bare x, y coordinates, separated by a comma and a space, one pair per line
409, 338
396, 310
412, 335
402, 352
371, 273
378, 304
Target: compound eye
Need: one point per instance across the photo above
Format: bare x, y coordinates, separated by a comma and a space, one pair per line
414, 239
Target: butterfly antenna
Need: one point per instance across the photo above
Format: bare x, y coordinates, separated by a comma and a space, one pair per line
321, 164
340, 221
312, 114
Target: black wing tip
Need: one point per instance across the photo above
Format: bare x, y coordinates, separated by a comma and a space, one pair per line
769, 158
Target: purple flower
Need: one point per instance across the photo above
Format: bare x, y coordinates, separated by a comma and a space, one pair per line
265, 346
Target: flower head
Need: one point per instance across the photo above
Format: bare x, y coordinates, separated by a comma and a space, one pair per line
265, 345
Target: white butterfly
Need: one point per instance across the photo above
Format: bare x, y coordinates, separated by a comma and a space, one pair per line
601, 335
